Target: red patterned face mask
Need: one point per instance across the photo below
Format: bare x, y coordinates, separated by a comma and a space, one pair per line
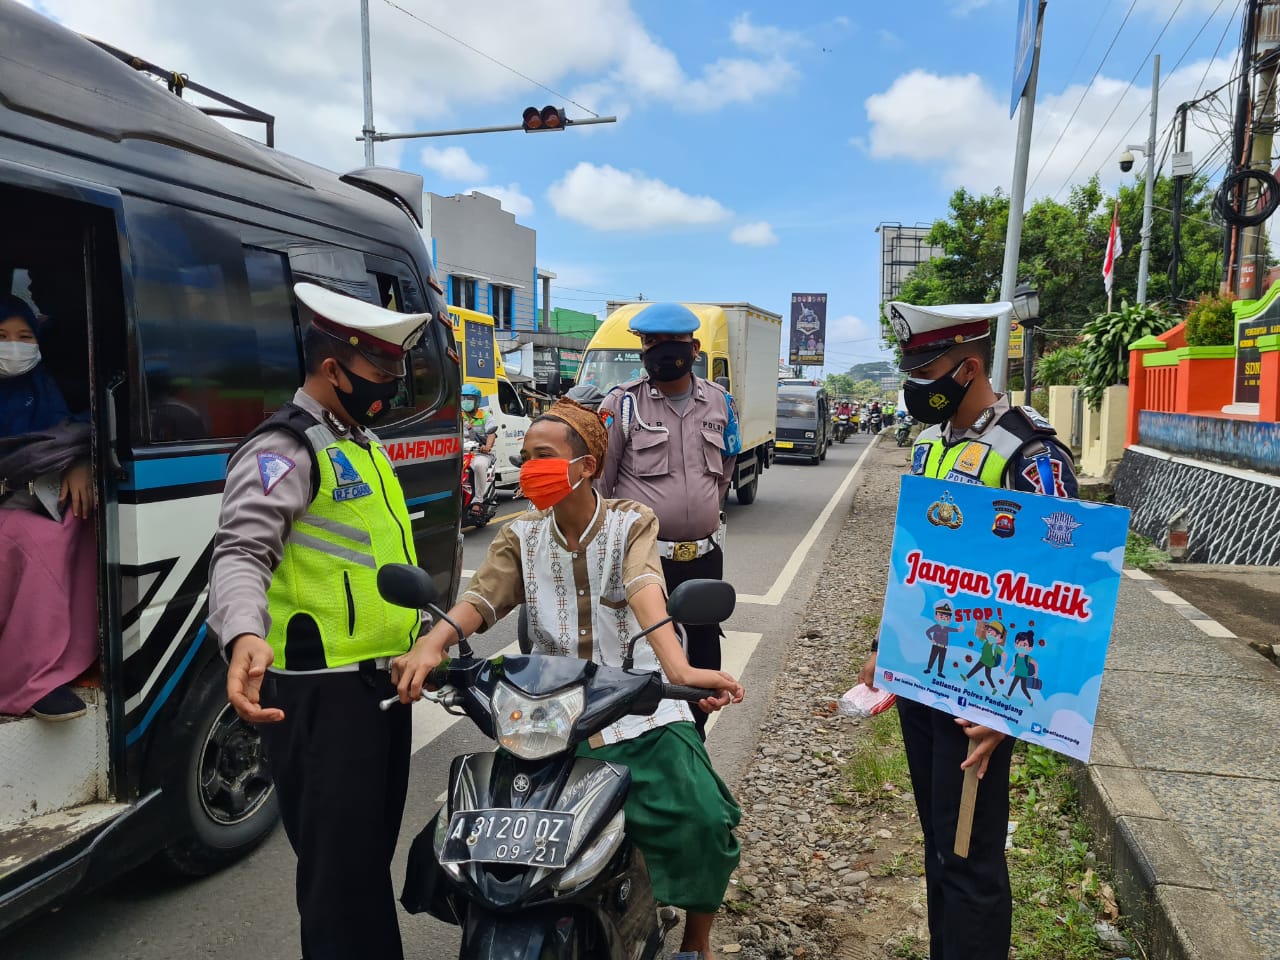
546, 482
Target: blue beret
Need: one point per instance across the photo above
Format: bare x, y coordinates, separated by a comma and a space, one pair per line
665, 318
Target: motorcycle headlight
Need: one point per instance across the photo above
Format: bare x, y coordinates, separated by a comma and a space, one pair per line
535, 727
590, 861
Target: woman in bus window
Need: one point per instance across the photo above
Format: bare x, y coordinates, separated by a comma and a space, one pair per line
48, 566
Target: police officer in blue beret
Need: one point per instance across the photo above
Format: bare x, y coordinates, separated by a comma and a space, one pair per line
673, 446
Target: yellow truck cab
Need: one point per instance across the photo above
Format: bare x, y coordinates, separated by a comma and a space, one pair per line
739, 349
482, 366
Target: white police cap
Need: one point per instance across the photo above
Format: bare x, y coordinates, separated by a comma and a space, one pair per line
673, 318
926, 333
363, 325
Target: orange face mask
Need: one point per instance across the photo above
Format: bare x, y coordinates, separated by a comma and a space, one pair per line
546, 482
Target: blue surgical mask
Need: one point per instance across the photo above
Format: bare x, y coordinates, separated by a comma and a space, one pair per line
468, 406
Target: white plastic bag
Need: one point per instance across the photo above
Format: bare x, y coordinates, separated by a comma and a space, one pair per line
862, 701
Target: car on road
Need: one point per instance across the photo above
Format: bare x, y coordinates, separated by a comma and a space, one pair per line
804, 422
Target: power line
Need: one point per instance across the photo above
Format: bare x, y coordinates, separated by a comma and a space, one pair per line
1088, 86
1133, 80
491, 59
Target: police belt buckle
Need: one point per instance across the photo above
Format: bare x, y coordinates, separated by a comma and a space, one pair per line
684, 551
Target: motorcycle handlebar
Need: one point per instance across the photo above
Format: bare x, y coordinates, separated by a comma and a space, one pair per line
677, 691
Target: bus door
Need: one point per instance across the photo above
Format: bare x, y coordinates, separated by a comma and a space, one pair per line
60, 617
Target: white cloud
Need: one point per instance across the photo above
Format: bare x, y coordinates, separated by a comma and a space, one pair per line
760, 39
755, 234
889, 40
961, 127
606, 198
301, 62
453, 162
512, 200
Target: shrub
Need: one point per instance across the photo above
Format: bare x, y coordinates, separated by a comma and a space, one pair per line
1062, 367
1210, 322
1106, 340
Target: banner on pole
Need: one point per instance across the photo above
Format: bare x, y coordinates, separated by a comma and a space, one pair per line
1024, 49
808, 329
1000, 606
1015, 340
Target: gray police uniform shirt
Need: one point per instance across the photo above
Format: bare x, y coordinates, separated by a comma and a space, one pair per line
668, 456
254, 523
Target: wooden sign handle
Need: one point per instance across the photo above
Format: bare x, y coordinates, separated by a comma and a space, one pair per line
968, 801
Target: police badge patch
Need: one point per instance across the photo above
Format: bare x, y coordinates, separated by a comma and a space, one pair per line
272, 468
919, 456
901, 329
343, 469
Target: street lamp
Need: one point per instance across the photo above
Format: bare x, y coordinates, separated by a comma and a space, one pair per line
1026, 307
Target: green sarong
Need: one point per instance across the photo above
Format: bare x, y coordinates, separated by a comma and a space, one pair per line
679, 813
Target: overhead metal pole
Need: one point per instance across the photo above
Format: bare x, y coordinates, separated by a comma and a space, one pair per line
1144, 262
467, 131
1017, 200
368, 131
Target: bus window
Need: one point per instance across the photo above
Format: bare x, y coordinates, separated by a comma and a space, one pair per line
720, 368
218, 340
421, 388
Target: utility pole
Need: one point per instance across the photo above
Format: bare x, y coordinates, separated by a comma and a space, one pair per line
1253, 260
1144, 262
1233, 241
368, 131
1179, 193
1017, 200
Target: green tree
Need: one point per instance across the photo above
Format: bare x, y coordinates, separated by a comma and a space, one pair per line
1063, 246
866, 390
839, 384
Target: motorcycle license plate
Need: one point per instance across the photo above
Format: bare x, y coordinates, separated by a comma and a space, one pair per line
783, 444
537, 838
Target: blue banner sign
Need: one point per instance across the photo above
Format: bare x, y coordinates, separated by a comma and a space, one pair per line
1000, 606
1024, 49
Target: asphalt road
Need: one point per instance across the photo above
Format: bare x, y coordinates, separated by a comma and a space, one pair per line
773, 555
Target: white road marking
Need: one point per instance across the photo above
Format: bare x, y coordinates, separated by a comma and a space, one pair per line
1169, 597
736, 650
783, 583
430, 719
1213, 628
1135, 574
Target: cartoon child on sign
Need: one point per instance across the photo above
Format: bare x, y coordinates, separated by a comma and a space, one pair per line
939, 635
1025, 669
992, 636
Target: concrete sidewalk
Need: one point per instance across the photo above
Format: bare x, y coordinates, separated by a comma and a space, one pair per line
1183, 790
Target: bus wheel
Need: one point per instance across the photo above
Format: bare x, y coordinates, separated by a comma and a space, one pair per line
747, 492
226, 802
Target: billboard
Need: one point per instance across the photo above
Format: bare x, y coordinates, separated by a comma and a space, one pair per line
1024, 49
902, 249
808, 329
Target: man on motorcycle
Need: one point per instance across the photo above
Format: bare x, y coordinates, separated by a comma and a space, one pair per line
481, 428
603, 555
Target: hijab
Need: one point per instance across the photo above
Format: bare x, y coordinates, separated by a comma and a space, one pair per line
30, 401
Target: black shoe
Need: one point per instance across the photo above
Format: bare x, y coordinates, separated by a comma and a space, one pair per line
61, 704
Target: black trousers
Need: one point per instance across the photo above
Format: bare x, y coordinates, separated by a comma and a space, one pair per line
970, 906
703, 640
341, 771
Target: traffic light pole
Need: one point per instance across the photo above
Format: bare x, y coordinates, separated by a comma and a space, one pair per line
465, 131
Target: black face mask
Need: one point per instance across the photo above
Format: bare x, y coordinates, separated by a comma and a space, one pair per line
935, 401
669, 360
368, 401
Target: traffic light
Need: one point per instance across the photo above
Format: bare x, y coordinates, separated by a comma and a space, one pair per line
548, 118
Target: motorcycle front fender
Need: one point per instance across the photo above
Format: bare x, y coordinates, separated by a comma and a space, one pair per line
542, 936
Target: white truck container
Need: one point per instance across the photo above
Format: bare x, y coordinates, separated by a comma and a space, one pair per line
740, 347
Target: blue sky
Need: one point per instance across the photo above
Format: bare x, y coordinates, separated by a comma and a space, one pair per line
759, 145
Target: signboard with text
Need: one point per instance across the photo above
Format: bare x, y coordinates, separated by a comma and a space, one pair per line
1000, 606
808, 329
1248, 356
477, 349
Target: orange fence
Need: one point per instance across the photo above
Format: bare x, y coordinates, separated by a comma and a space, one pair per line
1161, 389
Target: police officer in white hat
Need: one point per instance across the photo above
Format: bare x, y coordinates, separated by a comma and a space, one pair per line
311, 509
974, 436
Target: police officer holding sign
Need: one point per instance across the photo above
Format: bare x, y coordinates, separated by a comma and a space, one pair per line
311, 509
673, 445
975, 436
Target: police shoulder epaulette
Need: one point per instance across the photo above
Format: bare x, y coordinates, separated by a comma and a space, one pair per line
1036, 420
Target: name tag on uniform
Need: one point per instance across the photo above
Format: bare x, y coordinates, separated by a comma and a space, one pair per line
352, 492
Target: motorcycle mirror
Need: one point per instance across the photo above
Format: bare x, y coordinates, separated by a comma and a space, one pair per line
407, 585
702, 602
516, 461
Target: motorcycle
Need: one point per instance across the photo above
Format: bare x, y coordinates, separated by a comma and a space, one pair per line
903, 433
529, 855
875, 421
477, 513
842, 427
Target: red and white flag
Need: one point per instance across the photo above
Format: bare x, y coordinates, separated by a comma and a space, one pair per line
1114, 248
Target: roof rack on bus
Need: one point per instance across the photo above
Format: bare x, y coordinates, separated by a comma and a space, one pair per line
178, 82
